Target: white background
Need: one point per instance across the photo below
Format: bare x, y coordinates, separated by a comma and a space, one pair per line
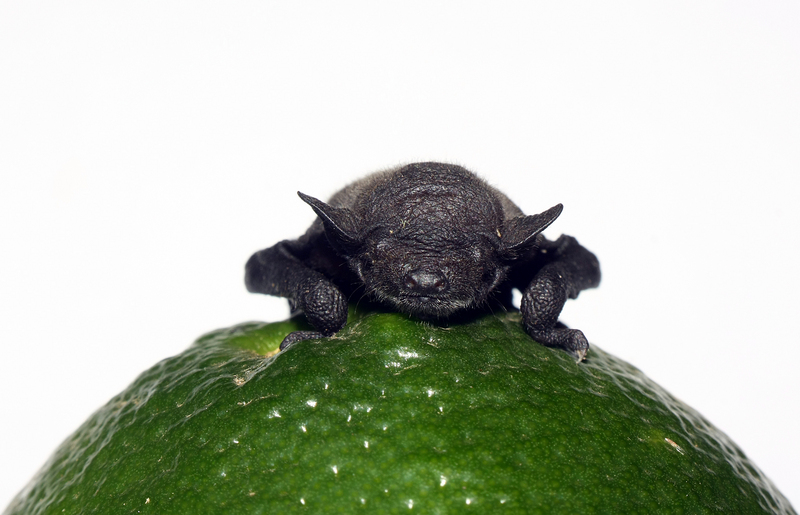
147, 149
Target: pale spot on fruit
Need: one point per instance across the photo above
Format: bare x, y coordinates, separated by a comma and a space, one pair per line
673, 444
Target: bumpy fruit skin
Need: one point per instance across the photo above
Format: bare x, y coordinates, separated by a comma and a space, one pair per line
391, 416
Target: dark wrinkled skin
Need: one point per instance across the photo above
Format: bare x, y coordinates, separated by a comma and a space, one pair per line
431, 240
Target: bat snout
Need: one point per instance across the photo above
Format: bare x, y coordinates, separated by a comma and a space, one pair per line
425, 282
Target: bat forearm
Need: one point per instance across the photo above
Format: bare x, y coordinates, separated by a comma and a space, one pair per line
276, 271
570, 268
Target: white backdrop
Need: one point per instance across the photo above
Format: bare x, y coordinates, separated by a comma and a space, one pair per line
147, 149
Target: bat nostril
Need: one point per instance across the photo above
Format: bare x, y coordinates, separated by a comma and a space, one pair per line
425, 282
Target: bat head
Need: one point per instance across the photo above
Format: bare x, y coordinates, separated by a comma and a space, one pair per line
429, 242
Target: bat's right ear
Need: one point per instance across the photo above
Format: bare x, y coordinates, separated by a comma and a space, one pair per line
340, 224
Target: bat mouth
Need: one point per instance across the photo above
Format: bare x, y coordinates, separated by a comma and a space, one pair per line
423, 298
428, 306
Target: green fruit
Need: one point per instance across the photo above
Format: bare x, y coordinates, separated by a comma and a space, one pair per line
393, 415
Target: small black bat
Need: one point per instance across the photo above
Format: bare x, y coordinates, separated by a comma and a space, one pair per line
432, 240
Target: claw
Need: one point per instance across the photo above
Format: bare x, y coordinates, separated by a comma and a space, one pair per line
579, 345
581, 354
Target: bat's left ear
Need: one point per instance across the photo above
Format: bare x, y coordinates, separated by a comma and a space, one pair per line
340, 224
519, 233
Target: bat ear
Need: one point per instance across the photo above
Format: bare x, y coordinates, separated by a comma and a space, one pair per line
520, 232
340, 224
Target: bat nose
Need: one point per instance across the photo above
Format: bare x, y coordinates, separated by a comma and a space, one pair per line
426, 282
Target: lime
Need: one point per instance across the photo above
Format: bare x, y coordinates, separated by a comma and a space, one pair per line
393, 415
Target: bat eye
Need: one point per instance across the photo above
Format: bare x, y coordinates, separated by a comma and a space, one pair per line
488, 275
363, 266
